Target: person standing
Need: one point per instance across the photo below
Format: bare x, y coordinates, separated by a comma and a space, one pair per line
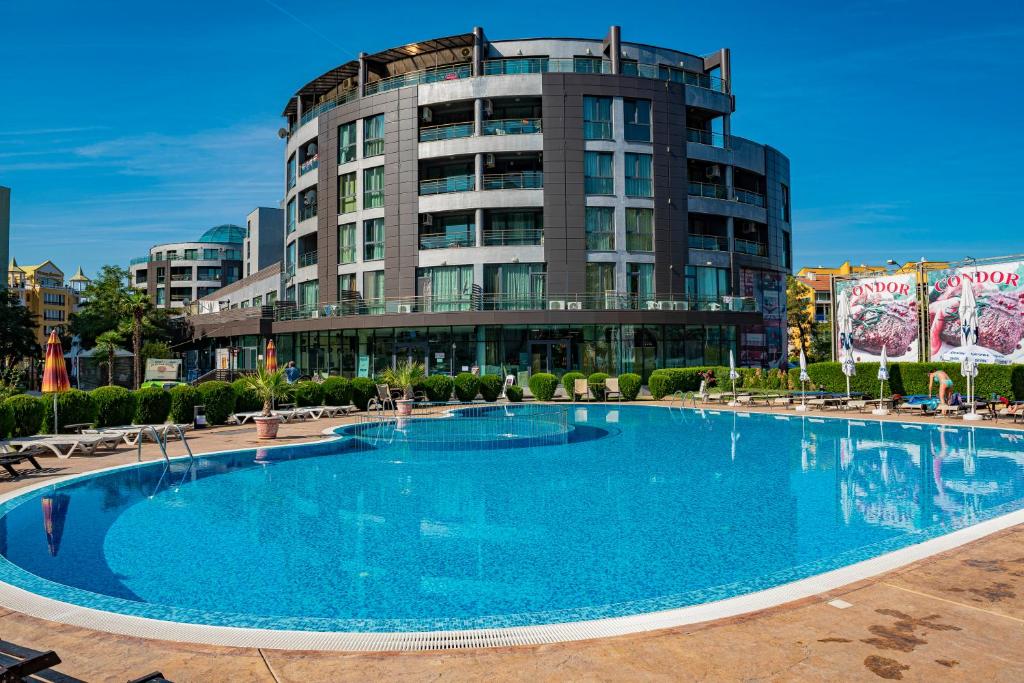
945, 385
291, 373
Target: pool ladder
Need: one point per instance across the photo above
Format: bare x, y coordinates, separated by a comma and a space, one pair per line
161, 442
682, 398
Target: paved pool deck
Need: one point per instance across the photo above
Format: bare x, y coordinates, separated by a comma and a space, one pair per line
954, 616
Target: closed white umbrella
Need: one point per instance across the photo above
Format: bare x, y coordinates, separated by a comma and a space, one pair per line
968, 311
883, 377
845, 323
804, 378
733, 375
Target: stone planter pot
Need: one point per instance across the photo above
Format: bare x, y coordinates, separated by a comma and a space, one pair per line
404, 406
266, 427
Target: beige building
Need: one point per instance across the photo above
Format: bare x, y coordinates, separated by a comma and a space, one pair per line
43, 290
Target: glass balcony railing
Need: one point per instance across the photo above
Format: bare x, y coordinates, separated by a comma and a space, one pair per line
455, 183
441, 73
706, 137
752, 248
638, 187
307, 212
448, 131
536, 65
308, 259
309, 165
138, 259
639, 241
748, 197
511, 126
314, 112
595, 185
526, 180
447, 240
709, 242
710, 190
513, 238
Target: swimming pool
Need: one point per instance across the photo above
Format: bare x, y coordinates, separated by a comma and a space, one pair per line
502, 517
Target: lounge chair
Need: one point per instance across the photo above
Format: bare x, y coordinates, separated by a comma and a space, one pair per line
65, 445
611, 386
783, 401
327, 411
509, 381
30, 664
580, 388
745, 400
857, 404
9, 459
383, 398
713, 397
133, 435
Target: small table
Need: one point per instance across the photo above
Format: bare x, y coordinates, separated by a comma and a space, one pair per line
77, 427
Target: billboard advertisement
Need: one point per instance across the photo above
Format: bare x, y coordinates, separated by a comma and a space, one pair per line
999, 291
885, 313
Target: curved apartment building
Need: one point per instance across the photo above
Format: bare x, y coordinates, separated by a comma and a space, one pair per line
528, 205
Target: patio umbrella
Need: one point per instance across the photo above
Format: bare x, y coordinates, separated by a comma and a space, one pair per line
733, 375
804, 378
271, 356
883, 377
55, 373
969, 353
845, 323
55, 512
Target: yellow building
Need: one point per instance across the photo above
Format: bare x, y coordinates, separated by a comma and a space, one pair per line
42, 289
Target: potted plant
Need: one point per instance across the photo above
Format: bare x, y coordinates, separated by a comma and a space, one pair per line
268, 387
404, 377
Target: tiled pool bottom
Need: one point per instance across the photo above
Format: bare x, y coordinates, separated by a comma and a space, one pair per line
651, 500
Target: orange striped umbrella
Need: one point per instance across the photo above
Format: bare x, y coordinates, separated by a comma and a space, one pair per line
271, 356
55, 374
55, 512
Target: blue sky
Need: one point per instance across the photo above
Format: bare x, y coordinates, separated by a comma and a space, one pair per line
126, 124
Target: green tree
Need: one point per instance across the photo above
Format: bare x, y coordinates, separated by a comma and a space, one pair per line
17, 332
821, 343
101, 310
156, 349
799, 313
107, 344
137, 308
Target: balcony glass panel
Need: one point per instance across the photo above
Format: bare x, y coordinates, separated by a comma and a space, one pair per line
448, 131
457, 183
706, 137
708, 242
748, 197
708, 190
520, 65
525, 180
511, 126
752, 248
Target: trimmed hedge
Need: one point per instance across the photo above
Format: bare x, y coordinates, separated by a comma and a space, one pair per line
219, 399
337, 391
490, 387
6, 419
307, 393
467, 386
114, 406
569, 381
184, 397
543, 385
152, 406
596, 384
912, 378
629, 385
73, 407
438, 388
363, 389
27, 412
246, 401
514, 393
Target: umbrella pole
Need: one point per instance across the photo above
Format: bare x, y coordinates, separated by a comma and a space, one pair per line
56, 430
847, 386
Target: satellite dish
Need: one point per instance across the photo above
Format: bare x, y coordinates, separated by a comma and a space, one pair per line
282, 133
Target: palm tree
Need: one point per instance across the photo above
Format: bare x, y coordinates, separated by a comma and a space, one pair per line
268, 387
108, 343
136, 306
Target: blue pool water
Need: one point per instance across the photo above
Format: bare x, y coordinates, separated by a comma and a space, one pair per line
504, 517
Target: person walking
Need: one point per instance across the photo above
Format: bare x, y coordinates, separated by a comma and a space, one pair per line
291, 373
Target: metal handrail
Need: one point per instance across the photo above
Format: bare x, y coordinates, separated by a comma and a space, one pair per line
446, 131
710, 190
513, 237
522, 180
455, 183
707, 137
526, 126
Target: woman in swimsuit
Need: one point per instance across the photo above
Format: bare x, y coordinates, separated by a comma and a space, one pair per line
945, 385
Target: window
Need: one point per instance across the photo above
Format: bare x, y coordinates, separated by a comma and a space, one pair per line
346, 283
291, 172
347, 243
600, 278
53, 314
514, 286
707, 283
347, 193
373, 188
373, 136
587, 65
257, 301
599, 173
292, 215
640, 282
307, 204
53, 299
190, 254
158, 256
160, 300
600, 228
208, 273
309, 294
373, 290
271, 298
446, 288
597, 118
290, 257
784, 209
211, 254
232, 254
639, 229
347, 143
373, 239
637, 120
787, 251
638, 175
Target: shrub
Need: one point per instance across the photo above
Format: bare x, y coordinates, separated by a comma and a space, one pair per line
153, 405
596, 384
114, 406
490, 387
363, 389
438, 388
467, 386
514, 393
569, 381
6, 419
73, 407
337, 391
660, 384
543, 385
629, 385
27, 412
184, 398
219, 399
246, 401
307, 394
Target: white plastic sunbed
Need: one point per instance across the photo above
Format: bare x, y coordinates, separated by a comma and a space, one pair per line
133, 435
65, 445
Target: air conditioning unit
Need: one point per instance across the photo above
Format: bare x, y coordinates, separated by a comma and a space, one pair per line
489, 161
574, 306
681, 305
713, 172
404, 308
427, 115
488, 107
556, 305
315, 314
654, 305
428, 219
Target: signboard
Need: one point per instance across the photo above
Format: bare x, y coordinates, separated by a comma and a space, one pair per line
364, 367
764, 345
223, 359
885, 313
999, 289
162, 369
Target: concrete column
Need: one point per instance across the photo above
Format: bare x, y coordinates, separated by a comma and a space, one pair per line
730, 188
730, 233
727, 130
479, 171
298, 109
362, 74
478, 117
479, 222
615, 48
479, 48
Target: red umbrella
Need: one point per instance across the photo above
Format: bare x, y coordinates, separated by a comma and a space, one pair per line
55, 512
55, 373
271, 356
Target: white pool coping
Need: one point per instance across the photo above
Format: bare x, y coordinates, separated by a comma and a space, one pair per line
26, 602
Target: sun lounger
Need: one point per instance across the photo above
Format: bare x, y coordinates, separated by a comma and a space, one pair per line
713, 397
611, 386
133, 435
580, 388
857, 404
745, 400
318, 412
30, 664
8, 459
779, 401
65, 445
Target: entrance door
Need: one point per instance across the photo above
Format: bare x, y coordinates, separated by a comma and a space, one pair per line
554, 356
411, 352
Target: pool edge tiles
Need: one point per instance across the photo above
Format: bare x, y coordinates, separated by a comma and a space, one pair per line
50, 608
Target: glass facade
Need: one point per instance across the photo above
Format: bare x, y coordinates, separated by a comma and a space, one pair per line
513, 286
347, 142
445, 288
373, 188
637, 120
640, 230
373, 239
599, 173
597, 118
600, 223
373, 136
347, 193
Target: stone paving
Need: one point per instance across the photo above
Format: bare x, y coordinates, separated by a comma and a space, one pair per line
955, 616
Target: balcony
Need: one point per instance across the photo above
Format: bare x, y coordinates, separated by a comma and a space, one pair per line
708, 242
456, 183
511, 126
440, 73
447, 240
706, 137
710, 190
748, 197
309, 165
308, 259
752, 248
447, 131
538, 65
523, 180
307, 212
513, 238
